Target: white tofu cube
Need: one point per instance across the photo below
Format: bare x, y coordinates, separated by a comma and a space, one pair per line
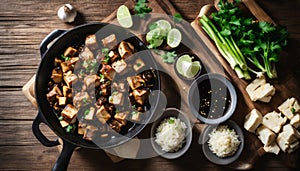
295, 121
296, 106
286, 104
252, 120
266, 136
293, 147
290, 132
282, 143
288, 113
255, 84
263, 91
274, 121
272, 148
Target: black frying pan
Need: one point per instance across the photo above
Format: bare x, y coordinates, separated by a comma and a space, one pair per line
76, 36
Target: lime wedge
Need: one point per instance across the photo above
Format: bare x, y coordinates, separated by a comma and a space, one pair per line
164, 25
174, 38
124, 17
186, 67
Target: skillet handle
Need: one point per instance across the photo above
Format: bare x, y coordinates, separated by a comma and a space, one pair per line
64, 157
39, 135
48, 39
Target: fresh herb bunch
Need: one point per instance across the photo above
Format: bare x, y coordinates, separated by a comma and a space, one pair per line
259, 42
141, 8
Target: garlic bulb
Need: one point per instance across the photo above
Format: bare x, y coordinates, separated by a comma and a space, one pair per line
67, 13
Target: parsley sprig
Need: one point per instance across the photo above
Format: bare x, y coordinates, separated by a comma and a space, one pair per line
141, 8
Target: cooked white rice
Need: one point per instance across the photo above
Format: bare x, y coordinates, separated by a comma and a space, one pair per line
223, 141
170, 134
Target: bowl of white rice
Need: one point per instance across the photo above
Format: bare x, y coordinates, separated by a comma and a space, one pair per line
171, 134
222, 144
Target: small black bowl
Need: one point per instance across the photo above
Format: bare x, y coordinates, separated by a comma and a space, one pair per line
219, 106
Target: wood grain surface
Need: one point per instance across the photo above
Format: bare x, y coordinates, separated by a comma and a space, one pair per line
23, 26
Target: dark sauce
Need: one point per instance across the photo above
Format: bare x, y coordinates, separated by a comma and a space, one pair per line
214, 98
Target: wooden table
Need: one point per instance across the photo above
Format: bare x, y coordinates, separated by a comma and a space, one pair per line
23, 24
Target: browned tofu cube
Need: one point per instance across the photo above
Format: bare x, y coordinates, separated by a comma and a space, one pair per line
65, 67
69, 113
63, 123
62, 101
89, 132
70, 78
121, 116
110, 41
91, 42
115, 125
70, 52
90, 81
81, 99
113, 56
136, 116
108, 71
116, 98
139, 64
125, 49
135, 82
56, 75
119, 66
89, 113
81, 128
86, 54
102, 115
140, 96
54, 93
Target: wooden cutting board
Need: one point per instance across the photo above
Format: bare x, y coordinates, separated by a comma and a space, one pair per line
286, 86
212, 61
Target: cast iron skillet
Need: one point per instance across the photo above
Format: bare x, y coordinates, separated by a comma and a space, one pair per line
46, 115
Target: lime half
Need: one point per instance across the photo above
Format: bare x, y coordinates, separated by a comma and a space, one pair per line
155, 37
186, 67
174, 38
124, 17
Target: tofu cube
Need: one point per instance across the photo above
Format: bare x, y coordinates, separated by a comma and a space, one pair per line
282, 142
89, 114
136, 116
70, 51
272, 148
62, 100
102, 115
116, 98
119, 66
266, 90
296, 106
63, 123
295, 121
255, 84
274, 121
139, 64
293, 147
110, 41
69, 113
91, 41
252, 120
266, 136
290, 133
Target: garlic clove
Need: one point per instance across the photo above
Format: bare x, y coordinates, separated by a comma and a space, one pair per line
67, 13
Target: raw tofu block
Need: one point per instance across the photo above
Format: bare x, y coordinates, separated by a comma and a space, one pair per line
296, 106
293, 147
266, 90
290, 131
274, 121
287, 104
272, 148
266, 136
252, 120
295, 121
255, 84
288, 113
282, 142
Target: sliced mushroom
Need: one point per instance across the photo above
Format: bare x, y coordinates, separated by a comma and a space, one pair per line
56, 75
102, 115
110, 41
70, 52
140, 96
54, 94
69, 113
125, 49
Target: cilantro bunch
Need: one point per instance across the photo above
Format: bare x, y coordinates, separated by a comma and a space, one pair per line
141, 8
242, 40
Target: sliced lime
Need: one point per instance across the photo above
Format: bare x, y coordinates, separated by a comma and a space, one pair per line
186, 67
182, 62
164, 25
155, 37
124, 17
174, 38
